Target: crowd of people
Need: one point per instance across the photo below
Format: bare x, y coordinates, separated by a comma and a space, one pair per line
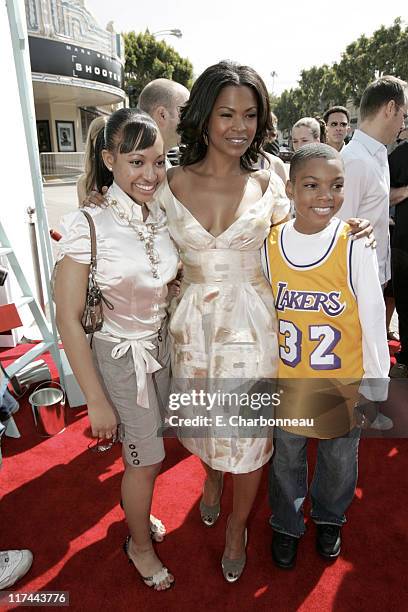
216, 286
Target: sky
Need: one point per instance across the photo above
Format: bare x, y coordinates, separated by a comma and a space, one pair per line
283, 37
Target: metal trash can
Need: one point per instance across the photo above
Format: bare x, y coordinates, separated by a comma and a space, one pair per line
33, 373
48, 405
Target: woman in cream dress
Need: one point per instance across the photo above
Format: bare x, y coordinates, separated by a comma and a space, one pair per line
224, 327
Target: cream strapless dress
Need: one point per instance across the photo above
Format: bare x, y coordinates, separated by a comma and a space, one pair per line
224, 327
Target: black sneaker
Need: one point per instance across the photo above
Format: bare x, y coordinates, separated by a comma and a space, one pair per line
284, 549
328, 540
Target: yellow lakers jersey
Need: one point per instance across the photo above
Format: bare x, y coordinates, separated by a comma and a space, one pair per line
319, 327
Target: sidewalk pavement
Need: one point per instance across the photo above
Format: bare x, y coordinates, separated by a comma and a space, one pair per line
59, 200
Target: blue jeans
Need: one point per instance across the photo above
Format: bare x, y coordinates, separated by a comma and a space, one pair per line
333, 485
8, 404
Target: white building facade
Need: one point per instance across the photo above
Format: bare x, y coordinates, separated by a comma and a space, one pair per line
77, 71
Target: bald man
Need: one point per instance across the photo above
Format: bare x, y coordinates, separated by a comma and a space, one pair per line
162, 99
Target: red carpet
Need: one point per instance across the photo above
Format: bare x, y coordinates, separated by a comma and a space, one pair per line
61, 500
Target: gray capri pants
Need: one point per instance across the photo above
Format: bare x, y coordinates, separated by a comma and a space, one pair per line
138, 426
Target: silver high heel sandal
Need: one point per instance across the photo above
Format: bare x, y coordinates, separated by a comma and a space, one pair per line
157, 529
233, 568
158, 579
210, 514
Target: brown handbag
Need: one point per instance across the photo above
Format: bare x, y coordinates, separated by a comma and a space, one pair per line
92, 317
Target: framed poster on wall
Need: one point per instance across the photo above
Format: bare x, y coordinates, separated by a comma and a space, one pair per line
43, 136
65, 136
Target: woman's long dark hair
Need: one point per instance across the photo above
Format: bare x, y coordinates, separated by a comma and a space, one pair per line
126, 130
196, 112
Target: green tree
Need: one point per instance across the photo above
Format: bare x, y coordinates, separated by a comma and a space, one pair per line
311, 86
319, 89
288, 108
273, 100
385, 52
147, 58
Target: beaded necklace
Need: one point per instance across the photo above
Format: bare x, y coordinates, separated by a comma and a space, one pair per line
146, 232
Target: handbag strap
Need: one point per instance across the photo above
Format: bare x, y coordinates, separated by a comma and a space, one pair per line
93, 239
93, 257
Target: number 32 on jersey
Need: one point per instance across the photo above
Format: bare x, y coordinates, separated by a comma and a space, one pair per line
322, 357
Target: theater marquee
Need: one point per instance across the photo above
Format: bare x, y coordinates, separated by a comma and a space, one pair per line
53, 57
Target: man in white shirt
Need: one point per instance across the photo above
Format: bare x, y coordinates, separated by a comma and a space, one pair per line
383, 110
162, 99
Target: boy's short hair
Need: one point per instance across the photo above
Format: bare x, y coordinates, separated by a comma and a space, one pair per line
336, 109
315, 150
380, 92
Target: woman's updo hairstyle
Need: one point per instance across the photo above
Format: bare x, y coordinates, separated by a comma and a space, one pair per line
127, 130
195, 114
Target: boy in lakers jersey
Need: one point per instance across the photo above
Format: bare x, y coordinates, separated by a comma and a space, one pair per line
331, 319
